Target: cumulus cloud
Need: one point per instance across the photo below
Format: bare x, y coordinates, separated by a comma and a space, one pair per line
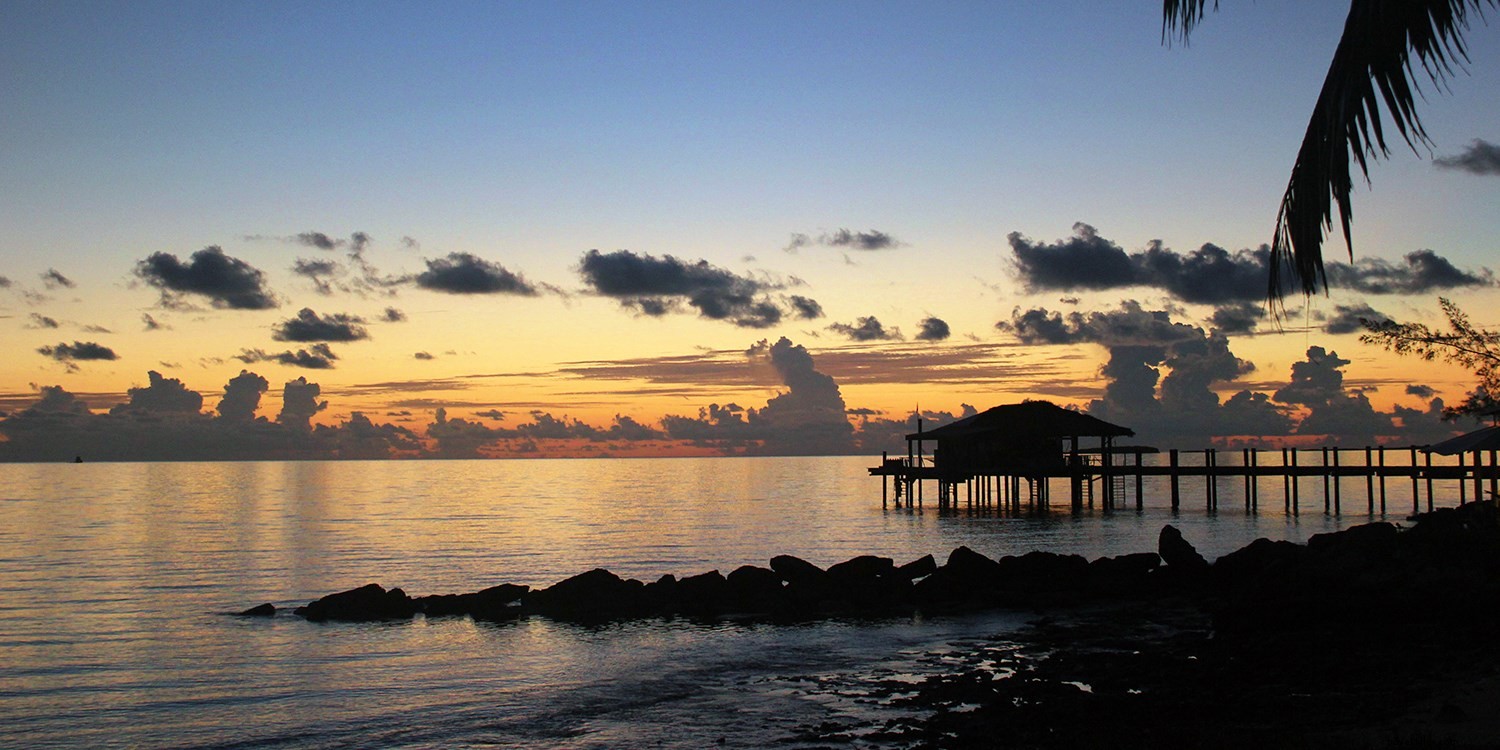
242, 396
846, 239
152, 324
1481, 158
1212, 275
1131, 324
656, 286
308, 326
868, 328
226, 281
933, 329
315, 357
321, 273
162, 395
299, 403
392, 315
427, 356
462, 273
1238, 318
55, 280
39, 321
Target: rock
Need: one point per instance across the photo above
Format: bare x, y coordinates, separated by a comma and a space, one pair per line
494, 603
1179, 555
366, 603
921, 567
1258, 563
864, 568
1123, 575
967, 580
260, 610
595, 595
796, 571
660, 596
753, 589
702, 594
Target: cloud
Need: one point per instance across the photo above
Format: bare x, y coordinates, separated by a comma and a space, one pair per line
316, 239
392, 315
308, 326
423, 356
242, 396
933, 329
315, 357
78, 351
866, 328
494, 414
462, 273
1346, 318
1212, 275
228, 282
1481, 158
805, 308
657, 286
299, 403
846, 239
54, 280
320, 272
1129, 325
39, 321
1237, 318
152, 324
1420, 391
161, 395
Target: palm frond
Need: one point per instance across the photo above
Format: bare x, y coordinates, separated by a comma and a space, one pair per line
1178, 17
1372, 69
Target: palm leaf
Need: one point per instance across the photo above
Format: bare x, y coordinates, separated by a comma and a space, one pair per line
1373, 66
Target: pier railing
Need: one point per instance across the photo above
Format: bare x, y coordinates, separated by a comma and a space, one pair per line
1377, 475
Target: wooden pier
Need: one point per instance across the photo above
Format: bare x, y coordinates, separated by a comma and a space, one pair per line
1112, 477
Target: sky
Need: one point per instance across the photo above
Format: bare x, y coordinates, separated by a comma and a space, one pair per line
250, 230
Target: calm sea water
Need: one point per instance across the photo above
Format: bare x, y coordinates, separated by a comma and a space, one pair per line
115, 581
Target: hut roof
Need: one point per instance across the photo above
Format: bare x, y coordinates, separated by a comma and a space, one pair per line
1487, 439
1042, 419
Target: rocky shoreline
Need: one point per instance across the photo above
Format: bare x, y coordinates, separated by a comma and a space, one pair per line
1375, 636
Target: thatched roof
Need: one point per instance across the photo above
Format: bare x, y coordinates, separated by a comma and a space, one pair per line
1487, 439
1041, 419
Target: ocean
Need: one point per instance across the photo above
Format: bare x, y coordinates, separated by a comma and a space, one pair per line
117, 582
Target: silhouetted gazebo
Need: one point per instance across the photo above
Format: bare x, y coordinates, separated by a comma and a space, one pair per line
1022, 439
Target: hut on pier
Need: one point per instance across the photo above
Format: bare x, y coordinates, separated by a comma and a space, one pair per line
1032, 440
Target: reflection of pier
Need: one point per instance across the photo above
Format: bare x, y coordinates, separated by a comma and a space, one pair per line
1009, 457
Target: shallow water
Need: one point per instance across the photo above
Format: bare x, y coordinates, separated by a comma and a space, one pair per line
115, 580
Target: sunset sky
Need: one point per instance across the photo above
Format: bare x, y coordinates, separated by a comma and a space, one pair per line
552, 218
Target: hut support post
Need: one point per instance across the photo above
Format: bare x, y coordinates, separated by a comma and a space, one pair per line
1173, 477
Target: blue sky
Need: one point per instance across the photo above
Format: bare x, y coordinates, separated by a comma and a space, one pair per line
528, 133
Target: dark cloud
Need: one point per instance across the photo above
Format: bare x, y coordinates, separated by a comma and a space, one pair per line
423, 356
55, 280
1481, 158
1212, 275
152, 324
866, 328
316, 239
91, 328
1346, 318
315, 357
392, 315
78, 351
805, 308
320, 272
308, 326
42, 321
462, 273
161, 395
242, 396
1424, 271
1420, 391
4, 282
299, 403
227, 282
1129, 325
933, 329
656, 286
494, 414
1238, 318
845, 238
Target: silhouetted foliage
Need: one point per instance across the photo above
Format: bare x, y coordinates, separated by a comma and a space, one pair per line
1477, 349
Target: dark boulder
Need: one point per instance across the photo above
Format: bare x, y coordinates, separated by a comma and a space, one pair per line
796, 571
595, 595
1258, 564
702, 594
660, 596
494, 603
921, 567
865, 568
967, 580
755, 589
1123, 575
260, 610
364, 604
1179, 554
